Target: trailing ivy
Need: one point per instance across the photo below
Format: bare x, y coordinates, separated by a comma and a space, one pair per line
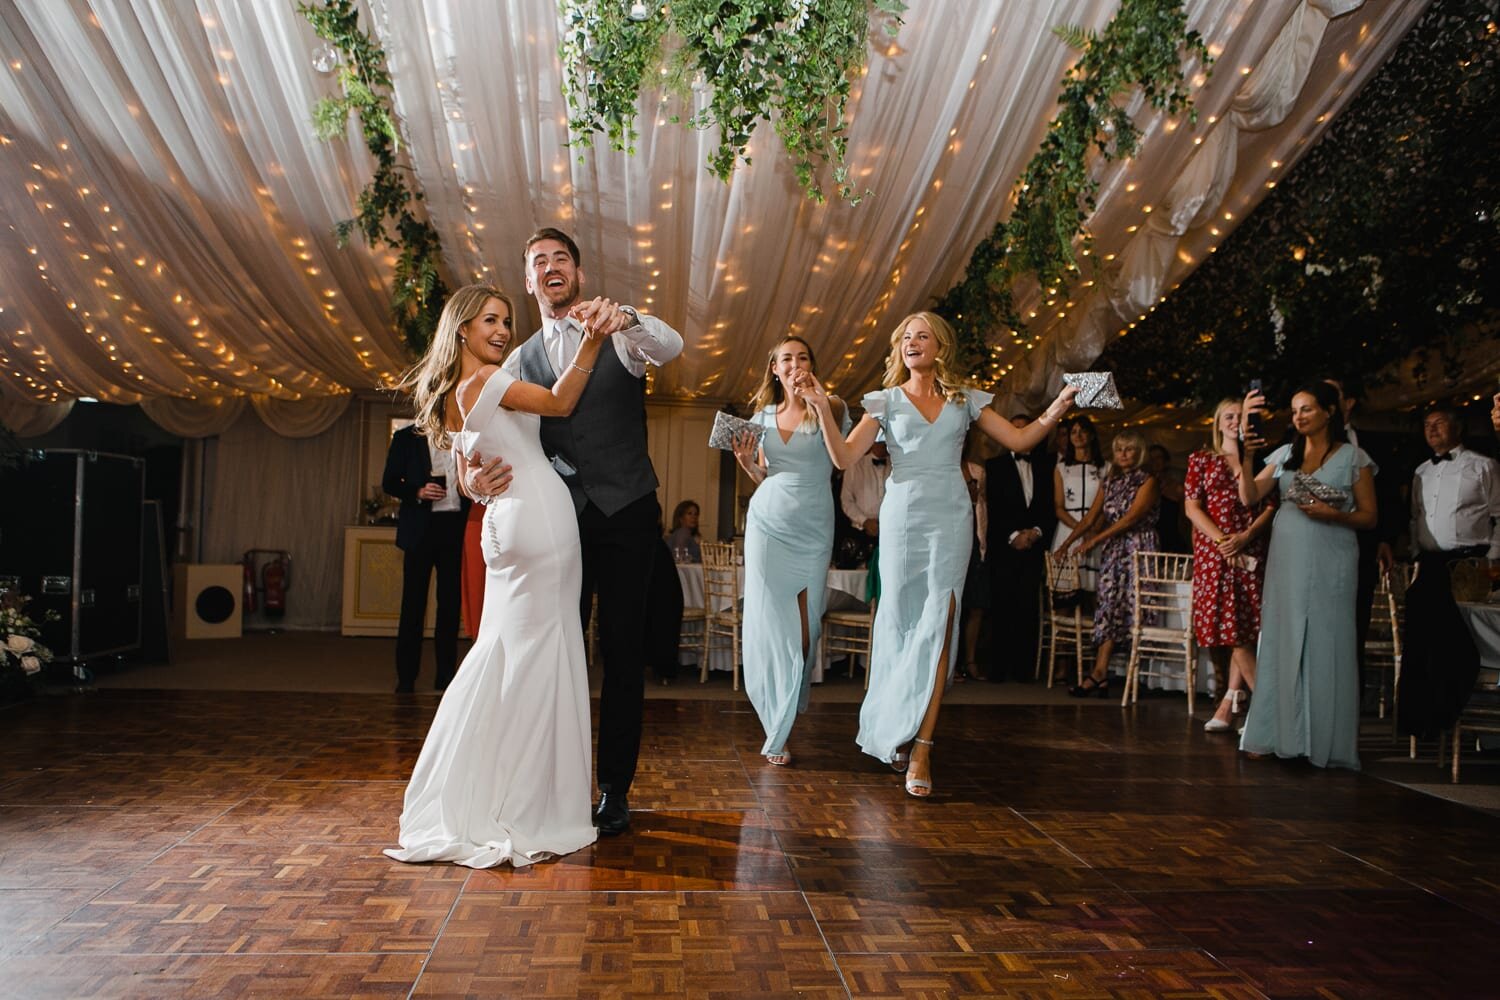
788, 62
384, 210
1381, 246
1144, 45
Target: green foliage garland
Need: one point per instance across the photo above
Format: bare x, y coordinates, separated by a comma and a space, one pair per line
384, 210
1383, 241
1143, 46
788, 62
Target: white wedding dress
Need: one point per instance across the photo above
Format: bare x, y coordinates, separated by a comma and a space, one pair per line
504, 774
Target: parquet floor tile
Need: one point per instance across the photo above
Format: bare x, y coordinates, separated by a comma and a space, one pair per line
227, 899
544, 945
664, 851
1336, 943
219, 844
287, 813
210, 977
1161, 853
69, 847
1094, 975
26, 913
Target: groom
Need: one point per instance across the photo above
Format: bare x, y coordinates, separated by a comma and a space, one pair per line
600, 452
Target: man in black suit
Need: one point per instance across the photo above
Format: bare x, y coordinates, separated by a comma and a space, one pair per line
430, 535
1018, 491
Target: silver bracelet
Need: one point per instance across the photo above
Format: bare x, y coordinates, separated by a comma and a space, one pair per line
586, 371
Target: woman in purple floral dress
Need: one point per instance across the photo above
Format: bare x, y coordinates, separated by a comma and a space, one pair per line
1123, 520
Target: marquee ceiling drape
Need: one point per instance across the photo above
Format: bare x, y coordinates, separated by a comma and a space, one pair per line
167, 210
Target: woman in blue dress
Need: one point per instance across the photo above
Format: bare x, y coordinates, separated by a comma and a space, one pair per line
788, 543
926, 522
1307, 674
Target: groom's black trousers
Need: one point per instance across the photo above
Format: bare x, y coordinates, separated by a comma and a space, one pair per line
618, 552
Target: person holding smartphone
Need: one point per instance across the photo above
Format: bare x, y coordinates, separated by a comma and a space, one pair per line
430, 535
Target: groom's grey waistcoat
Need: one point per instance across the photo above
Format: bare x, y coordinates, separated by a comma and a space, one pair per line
600, 451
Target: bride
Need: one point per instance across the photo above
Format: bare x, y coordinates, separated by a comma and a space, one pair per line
504, 774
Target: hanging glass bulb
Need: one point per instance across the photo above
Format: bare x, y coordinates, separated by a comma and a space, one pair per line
700, 82
325, 58
638, 11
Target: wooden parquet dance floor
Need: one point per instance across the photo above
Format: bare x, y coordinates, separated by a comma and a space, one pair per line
215, 844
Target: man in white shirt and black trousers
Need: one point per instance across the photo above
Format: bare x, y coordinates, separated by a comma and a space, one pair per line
600, 453
1455, 514
1021, 519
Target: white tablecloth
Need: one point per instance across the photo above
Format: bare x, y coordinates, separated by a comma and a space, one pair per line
846, 592
1484, 624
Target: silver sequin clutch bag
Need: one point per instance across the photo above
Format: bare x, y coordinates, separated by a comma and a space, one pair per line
1096, 390
727, 427
1306, 489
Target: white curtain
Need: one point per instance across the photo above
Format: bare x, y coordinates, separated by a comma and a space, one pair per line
194, 418
170, 208
26, 419
267, 491
1281, 77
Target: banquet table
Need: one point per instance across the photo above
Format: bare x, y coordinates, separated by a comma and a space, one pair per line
846, 592
1483, 621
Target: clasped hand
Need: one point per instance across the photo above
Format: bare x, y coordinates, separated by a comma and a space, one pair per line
1320, 511
600, 317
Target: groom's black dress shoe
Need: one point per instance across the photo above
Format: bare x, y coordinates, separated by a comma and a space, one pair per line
613, 815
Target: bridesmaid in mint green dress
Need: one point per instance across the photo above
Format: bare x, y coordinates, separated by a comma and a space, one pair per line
926, 524
1307, 675
788, 544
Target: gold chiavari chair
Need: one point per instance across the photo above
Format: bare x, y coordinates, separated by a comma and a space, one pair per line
848, 632
1062, 605
723, 613
1162, 632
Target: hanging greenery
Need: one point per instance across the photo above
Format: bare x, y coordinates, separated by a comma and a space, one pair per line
788, 62
1383, 241
384, 209
1144, 45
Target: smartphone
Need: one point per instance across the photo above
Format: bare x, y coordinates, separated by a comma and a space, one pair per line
1253, 422
439, 480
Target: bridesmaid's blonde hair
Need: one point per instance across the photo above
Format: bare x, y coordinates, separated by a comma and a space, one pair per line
949, 383
432, 380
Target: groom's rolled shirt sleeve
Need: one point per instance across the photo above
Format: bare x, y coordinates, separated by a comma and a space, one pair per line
649, 341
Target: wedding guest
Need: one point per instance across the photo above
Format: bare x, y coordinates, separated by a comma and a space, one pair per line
860, 496
1121, 522
1307, 678
1495, 413
926, 523
600, 451
788, 542
1455, 514
472, 578
1229, 563
1075, 487
1455, 496
1022, 515
976, 603
664, 615
683, 538
430, 535
1159, 464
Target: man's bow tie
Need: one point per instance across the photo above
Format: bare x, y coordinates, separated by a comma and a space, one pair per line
1020, 456
1442, 458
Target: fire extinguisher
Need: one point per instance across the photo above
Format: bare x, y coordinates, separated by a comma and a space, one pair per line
248, 602
274, 580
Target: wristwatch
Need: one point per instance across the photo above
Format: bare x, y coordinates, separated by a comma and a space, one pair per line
635, 317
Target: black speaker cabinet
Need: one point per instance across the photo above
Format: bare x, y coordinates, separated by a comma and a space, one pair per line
70, 538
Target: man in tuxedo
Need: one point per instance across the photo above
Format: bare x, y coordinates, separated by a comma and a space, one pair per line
600, 452
1455, 514
430, 535
1018, 489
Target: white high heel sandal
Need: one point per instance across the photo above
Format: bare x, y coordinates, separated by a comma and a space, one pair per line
1214, 725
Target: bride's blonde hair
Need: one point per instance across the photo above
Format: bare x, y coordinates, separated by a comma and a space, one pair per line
770, 392
432, 380
950, 384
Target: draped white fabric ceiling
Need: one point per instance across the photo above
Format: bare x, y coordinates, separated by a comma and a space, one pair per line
167, 210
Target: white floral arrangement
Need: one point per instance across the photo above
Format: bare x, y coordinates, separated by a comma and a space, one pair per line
19, 648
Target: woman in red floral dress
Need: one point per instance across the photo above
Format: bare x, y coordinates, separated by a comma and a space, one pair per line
1229, 563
